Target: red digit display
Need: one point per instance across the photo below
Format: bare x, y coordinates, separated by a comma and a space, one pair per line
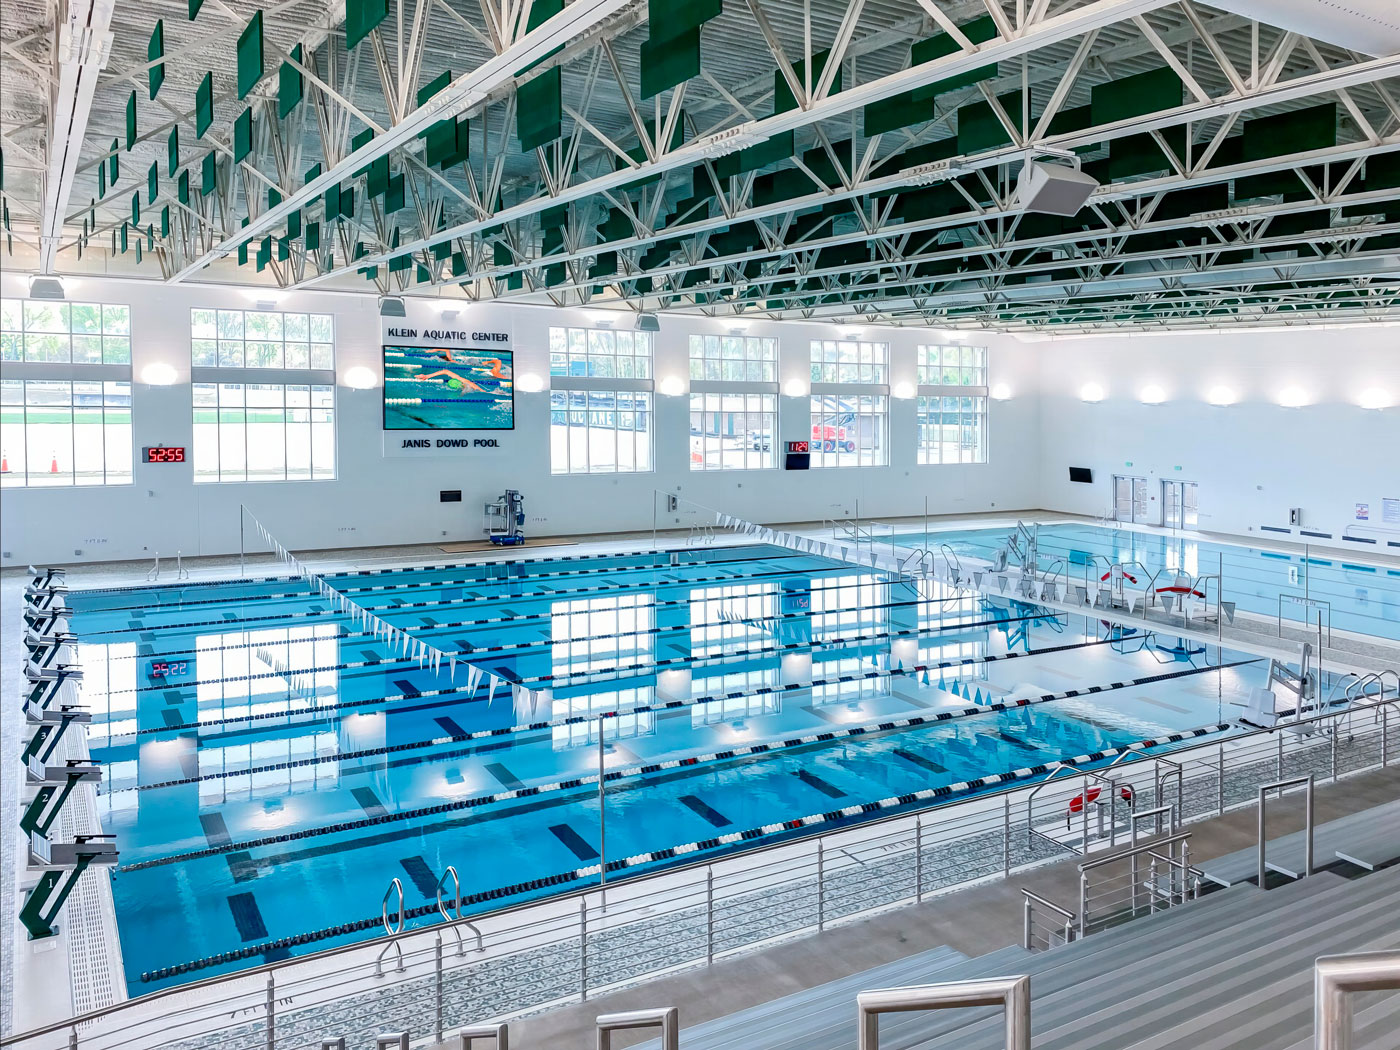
799, 446
160, 454
168, 668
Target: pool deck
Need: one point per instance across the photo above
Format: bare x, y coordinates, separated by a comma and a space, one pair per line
84, 958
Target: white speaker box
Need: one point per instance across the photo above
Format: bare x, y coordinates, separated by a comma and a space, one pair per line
1053, 189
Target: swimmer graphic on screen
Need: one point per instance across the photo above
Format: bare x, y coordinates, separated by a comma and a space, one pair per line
457, 382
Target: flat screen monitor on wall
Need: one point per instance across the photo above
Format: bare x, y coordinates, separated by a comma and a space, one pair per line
448, 388
1081, 474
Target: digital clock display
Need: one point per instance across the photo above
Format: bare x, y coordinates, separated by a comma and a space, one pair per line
161, 454
799, 446
168, 668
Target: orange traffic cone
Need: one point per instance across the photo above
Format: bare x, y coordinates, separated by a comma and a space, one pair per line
4, 462
53, 465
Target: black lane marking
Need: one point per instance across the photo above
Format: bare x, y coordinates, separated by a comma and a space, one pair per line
215, 830
242, 866
172, 718
369, 801
574, 841
449, 726
1016, 741
826, 788
247, 917
368, 654
406, 687
920, 760
507, 779
717, 819
421, 875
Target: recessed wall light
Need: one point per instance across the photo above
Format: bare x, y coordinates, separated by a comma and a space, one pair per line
1293, 397
672, 386
158, 373
1152, 394
904, 391
1374, 398
795, 388
360, 378
1091, 392
529, 383
1001, 392
1221, 396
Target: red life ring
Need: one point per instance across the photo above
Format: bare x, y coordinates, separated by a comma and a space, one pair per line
1127, 576
1180, 590
1077, 804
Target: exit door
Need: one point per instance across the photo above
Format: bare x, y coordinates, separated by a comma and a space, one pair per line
1179, 504
1131, 500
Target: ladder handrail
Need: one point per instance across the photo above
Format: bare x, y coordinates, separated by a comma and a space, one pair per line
1335, 977
1011, 993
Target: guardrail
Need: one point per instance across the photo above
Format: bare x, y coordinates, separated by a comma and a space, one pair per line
1335, 977
570, 947
1013, 994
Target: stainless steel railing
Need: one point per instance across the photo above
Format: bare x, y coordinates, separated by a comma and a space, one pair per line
1335, 978
570, 947
1013, 994
666, 1018
1030, 928
1168, 880
1281, 786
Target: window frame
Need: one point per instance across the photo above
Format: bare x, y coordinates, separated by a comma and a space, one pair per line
965, 380
571, 376
821, 458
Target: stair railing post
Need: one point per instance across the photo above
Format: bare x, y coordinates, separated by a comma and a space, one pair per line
1005, 835
271, 1012
709, 914
918, 858
583, 949
437, 982
821, 887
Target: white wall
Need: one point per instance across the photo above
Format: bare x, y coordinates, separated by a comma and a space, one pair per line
1252, 460
387, 500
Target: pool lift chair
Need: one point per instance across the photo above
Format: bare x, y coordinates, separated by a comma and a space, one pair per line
1262, 710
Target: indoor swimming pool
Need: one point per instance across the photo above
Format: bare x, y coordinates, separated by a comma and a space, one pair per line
1359, 596
269, 767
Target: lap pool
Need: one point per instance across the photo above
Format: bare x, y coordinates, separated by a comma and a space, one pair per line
270, 767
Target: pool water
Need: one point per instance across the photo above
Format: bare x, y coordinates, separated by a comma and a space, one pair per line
269, 768
1363, 598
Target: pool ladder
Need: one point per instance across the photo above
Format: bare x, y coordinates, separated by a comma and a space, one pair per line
454, 919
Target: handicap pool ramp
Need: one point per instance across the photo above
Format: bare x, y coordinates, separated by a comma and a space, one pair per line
1231, 971
1369, 839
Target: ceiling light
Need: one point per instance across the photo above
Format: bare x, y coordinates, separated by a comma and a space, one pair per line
1221, 395
360, 378
795, 388
1152, 394
1293, 397
672, 386
648, 323
392, 306
1091, 392
41, 287
1374, 398
904, 391
1001, 392
158, 373
529, 383
1054, 189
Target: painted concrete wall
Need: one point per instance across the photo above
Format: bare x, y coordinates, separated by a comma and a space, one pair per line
387, 500
1252, 460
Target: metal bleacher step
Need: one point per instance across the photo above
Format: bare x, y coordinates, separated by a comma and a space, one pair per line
1150, 999
1368, 839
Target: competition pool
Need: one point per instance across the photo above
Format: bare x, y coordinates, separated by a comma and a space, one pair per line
269, 767
1363, 598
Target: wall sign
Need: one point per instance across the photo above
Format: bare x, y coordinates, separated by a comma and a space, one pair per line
1363, 512
1390, 511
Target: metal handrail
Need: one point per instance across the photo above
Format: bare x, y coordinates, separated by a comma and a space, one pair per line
1281, 786
498, 1032
1029, 902
1335, 977
666, 1018
1247, 745
457, 910
1011, 993
1146, 847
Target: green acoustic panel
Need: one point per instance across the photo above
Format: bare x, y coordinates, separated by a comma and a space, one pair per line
150, 237
422, 275
1135, 96
432, 87
442, 249
204, 105
439, 142
172, 151
459, 264
979, 127
183, 193
394, 195
783, 99
1140, 154
978, 31
668, 62
165, 221
130, 121
461, 144
347, 201
539, 112
501, 254
114, 165
124, 238
135, 208
294, 224
399, 263
672, 17
195, 5
553, 241
284, 249
779, 147
895, 112
291, 85
274, 197
362, 139
243, 135
264, 253
554, 275
243, 250
153, 182
250, 55
1297, 131
361, 18
313, 236
541, 12
138, 252
155, 49
209, 175
605, 266
101, 179
377, 177
332, 203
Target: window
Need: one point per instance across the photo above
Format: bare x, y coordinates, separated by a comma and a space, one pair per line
65, 432
261, 339
850, 430
263, 432
279, 430
600, 401
733, 359
65, 333
849, 361
952, 404
733, 431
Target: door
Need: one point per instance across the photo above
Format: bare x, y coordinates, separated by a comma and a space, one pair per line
1142, 502
1122, 498
1179, 504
